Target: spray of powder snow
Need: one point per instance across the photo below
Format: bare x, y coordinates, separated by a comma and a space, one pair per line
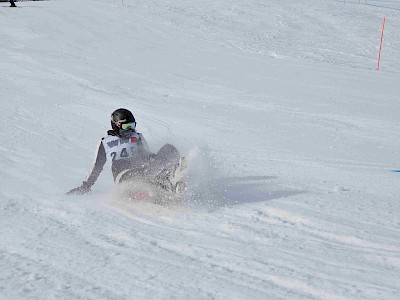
206, 187
209, 186
144, 202
202, 178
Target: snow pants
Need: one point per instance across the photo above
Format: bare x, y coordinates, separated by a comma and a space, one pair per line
157, 169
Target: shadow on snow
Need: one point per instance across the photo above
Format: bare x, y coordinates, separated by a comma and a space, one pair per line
229, 191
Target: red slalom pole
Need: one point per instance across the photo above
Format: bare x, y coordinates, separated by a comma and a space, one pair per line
380, 47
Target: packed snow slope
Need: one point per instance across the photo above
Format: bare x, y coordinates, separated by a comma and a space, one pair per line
291, 131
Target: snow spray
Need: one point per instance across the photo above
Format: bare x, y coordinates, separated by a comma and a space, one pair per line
380, 47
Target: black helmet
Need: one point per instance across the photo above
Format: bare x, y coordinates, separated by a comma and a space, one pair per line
122, 119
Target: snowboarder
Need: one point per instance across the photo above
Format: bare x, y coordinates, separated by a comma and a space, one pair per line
12, 3
130, 156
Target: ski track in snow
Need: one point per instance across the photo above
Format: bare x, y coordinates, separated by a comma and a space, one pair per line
290, 194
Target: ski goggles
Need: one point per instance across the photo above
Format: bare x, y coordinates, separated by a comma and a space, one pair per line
125, 126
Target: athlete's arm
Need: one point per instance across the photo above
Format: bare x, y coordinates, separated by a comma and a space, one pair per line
98, 165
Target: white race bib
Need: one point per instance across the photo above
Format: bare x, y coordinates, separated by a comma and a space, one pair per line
118, 148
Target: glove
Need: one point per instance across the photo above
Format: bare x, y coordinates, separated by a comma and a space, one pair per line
80, 190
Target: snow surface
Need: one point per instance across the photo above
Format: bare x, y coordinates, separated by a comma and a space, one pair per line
292, 130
